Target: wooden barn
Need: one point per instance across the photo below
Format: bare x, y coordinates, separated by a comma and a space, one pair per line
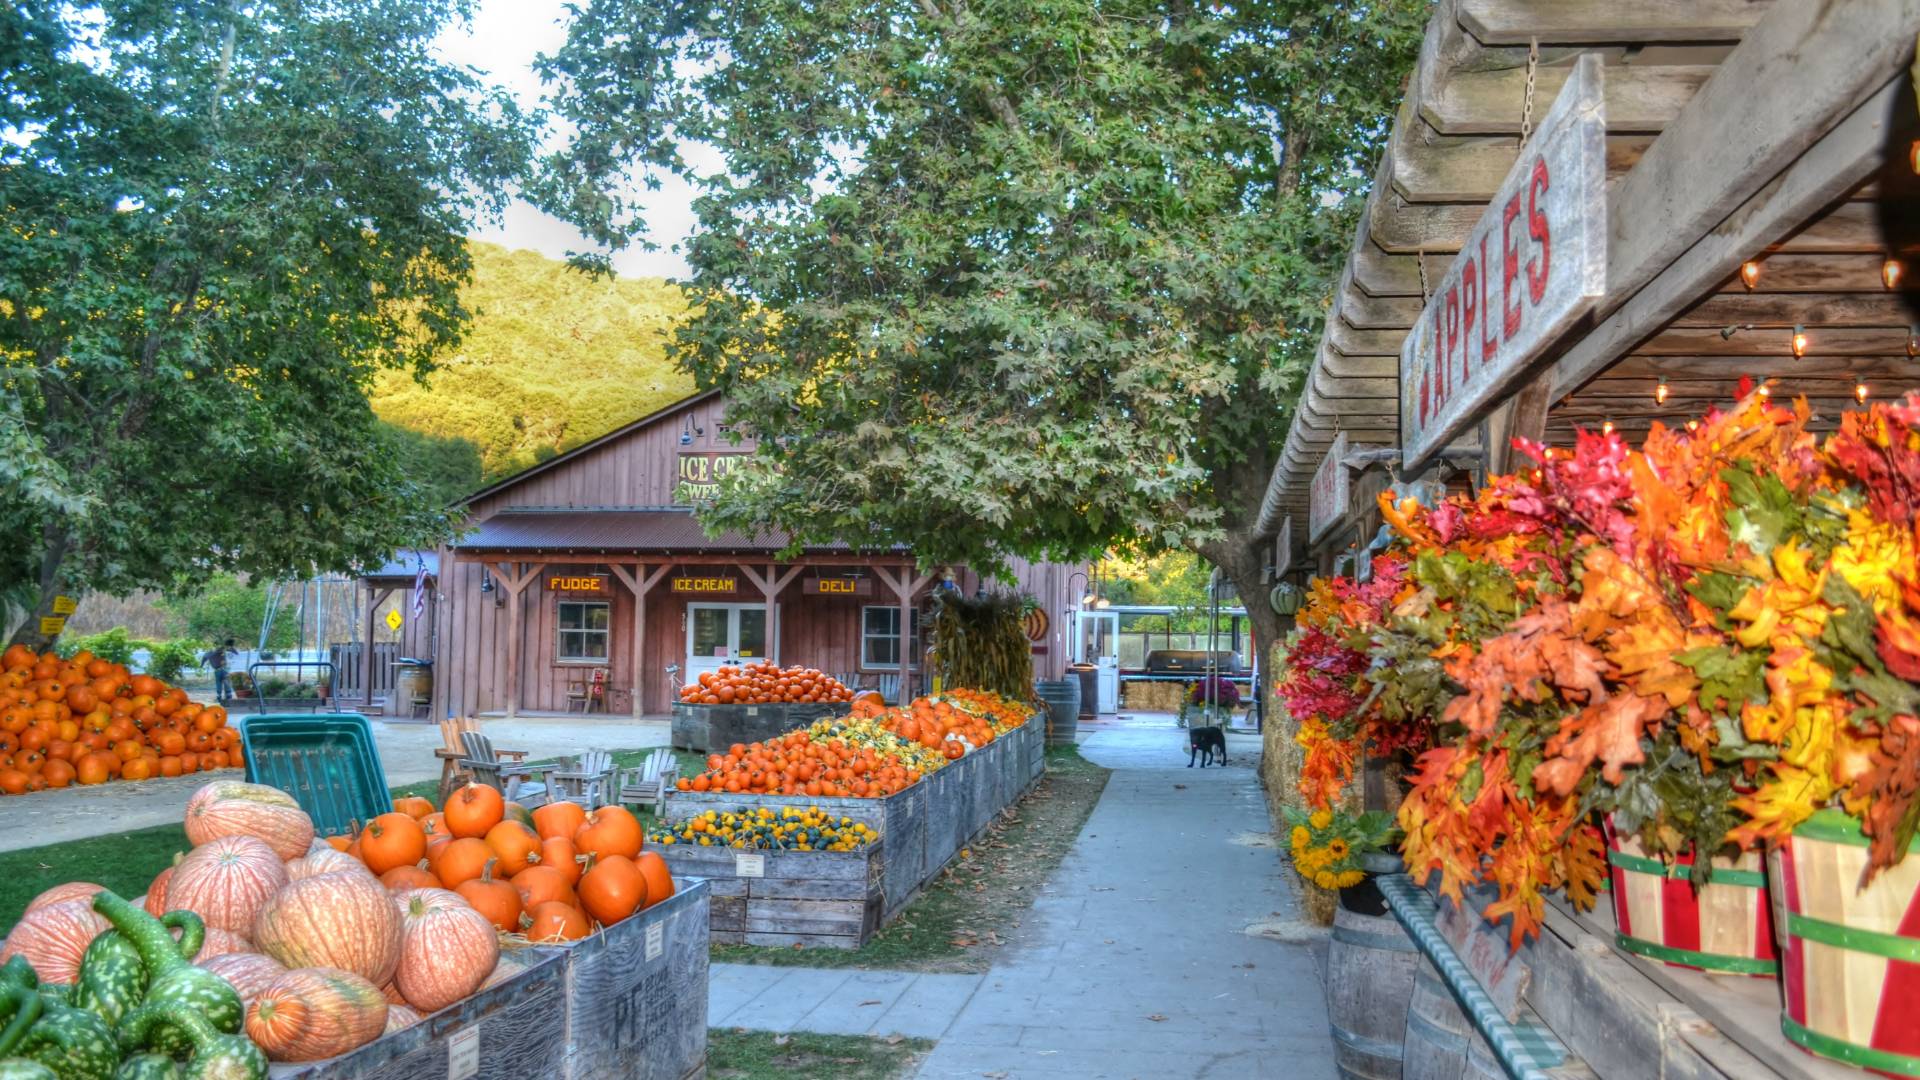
588, 572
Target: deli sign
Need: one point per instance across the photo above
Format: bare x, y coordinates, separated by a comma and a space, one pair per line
838, 586
1534, 263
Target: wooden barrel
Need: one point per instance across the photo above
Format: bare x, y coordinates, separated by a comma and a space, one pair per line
1724, 927
1370, 965
1850, 957
1062, 699
1441, 1043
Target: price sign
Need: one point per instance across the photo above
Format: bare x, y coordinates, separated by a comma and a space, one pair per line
656, 940
394, 619
51, 625
64, 605
745, 865
463, 1054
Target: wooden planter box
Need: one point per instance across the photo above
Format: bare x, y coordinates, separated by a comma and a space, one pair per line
636, 995
511, 1031
707, 728
825, 899
921, 828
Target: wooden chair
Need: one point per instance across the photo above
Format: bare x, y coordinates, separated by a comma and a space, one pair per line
588, 782
453, 751
890, 689
652, 782
483, 762
588, 691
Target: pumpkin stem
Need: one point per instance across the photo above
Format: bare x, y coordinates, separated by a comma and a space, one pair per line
486, 872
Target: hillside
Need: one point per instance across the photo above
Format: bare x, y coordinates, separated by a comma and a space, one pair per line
553, 360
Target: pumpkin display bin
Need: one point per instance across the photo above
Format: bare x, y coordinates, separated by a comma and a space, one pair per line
1723, 927
1850, 961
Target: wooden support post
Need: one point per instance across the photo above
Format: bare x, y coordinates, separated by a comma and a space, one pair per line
1522, 416
904, 587
770, 584
375, 597
641, 579
516, 585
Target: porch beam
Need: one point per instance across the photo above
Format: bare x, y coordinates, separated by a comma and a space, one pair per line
375, 597
516, 585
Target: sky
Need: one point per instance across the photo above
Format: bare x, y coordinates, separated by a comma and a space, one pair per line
502, 41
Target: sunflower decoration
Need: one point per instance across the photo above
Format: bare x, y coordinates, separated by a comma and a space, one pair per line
1327, 844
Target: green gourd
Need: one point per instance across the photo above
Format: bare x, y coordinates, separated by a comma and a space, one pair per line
73, 1043
171, 977
148, 1066
23, 1005
22, 1069
215, 1055
113, 978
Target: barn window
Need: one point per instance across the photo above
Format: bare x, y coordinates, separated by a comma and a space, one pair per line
880, 636
583, 630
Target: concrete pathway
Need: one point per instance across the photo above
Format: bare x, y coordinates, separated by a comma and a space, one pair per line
1143, 956
406, 755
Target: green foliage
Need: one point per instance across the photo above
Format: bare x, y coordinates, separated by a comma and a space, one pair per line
225, 607
168, 660
554, 358
115, 646
222, 222
1174, 578
997, 279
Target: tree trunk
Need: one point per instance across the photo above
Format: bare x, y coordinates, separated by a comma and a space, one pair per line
52, 585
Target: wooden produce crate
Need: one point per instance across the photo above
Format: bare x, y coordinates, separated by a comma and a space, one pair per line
827, 899
925, 825
636, 995
513, 1031
709, 729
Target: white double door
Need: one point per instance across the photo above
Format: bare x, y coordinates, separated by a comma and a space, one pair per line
724, 635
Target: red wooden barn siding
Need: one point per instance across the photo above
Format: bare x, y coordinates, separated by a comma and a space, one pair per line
640, 468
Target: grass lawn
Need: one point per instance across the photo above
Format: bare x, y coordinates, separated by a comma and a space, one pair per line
126, 862
738, 1054
965, 914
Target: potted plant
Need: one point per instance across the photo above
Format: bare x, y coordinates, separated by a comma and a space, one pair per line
1338, 851
241, 684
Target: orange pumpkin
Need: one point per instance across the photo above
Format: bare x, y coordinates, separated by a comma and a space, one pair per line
72, 890
228, 807
392, 840
447, 949
660, 884
157, 891
610, 830
403, 878
542, 884
462, 860
54, 937
474, 809
226, 882
346, 921
561, 819
496, 899
413, 806
555, 921
315, 1013
559, 853
324, 860
515, 845
249, 972
612, 889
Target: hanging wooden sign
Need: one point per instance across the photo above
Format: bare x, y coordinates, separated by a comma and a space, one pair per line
579, 583
838, 586
1283, 547
1327, 498
1534, 263
706, 585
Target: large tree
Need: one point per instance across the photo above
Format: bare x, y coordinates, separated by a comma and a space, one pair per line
218, 220
1002, 278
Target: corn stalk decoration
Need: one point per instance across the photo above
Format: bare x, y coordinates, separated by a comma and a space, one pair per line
981, 642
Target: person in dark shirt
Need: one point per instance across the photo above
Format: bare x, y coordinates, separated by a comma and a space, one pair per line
216, 658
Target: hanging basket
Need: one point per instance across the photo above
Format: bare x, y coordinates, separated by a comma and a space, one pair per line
1850, 965
1725, 927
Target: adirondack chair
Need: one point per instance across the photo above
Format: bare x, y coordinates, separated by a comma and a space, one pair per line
650, 784
453, 751
890, 689
509, 779
588, 692
588, 782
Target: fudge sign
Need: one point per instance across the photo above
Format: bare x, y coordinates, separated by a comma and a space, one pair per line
1534, 263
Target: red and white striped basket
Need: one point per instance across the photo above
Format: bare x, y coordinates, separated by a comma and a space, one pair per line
1850, 966
1725, 927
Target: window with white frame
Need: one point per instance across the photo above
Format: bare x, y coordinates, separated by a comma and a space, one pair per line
583, 631
880, 636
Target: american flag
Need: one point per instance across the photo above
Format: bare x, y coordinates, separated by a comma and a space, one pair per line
420, 590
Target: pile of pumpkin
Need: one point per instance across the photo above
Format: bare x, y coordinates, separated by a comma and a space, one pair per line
792, 829
282, 938
764, 683
799, 763
84, 720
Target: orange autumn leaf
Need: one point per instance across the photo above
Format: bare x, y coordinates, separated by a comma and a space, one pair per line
1606, 731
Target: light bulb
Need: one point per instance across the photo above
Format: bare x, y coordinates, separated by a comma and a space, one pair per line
1860, 391
1750, 274
1913, 156
1660, 392
1693, 425
1913, 341
1606, 428
1799, 340
1765, 391
1890, 272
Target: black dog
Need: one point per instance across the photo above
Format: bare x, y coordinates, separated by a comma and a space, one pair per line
1203, 742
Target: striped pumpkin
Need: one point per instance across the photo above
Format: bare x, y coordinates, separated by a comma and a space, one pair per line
226, 881
72, 890
315, 1013
232, 808
447, 949
1724, 927
54, 937
324, 860
344, 920
1850, 962
249, 972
